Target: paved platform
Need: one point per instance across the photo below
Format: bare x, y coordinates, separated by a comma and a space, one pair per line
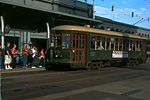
20, 69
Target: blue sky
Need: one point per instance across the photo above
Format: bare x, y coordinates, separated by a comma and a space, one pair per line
123, 9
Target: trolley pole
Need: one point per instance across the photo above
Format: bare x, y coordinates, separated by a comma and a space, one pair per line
48, 36
93, 9
2, 28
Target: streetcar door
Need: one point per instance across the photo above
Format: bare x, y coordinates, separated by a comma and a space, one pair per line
144, 51
78, 49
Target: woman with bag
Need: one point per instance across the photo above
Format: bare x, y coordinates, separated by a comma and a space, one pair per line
35, 57
14, 52
41, 57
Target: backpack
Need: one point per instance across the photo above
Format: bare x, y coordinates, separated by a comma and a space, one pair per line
39, 54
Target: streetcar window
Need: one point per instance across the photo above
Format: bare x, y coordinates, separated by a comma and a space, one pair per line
52, 40
57, 40
108, 46
80, 43
92, 44
73, 43
112, 43
120, 45
93, 38
66, 42
131, 45
98, 37
140, 45
125, 47
103, 43
116, 43
134, 48
98, 43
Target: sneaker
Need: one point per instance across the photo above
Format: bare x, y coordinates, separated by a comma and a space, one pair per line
6, 68
40, 66
9, 68
33, 67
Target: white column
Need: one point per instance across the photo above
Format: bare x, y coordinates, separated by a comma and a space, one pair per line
28, 39
21, 40
2, 28
48, 36
93, 9
24, 37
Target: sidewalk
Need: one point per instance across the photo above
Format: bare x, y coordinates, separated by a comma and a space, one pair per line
20, 69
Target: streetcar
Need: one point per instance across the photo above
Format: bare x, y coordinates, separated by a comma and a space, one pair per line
84, 47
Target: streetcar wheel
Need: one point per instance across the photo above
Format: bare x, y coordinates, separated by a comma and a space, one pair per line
88, 66
102, 64
128, 63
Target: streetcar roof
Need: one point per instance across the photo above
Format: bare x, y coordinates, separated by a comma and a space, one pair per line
92, 30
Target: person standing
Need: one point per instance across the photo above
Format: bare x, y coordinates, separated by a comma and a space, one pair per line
14, 52
7, 56
24, 54
30, 55
1, 54
41, 58
35, 62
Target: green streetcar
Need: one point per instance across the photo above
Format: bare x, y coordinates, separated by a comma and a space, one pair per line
84, 47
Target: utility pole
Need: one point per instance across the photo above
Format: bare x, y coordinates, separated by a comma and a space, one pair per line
132, 17
113, 11
148, 22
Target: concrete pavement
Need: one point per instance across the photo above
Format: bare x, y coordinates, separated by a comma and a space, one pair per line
131, 89
19, 69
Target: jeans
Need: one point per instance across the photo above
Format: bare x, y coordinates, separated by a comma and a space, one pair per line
24, 62
0, 62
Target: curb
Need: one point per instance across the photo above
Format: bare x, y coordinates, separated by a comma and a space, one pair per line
19, 71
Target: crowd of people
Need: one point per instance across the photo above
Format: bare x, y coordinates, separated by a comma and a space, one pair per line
30, 57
